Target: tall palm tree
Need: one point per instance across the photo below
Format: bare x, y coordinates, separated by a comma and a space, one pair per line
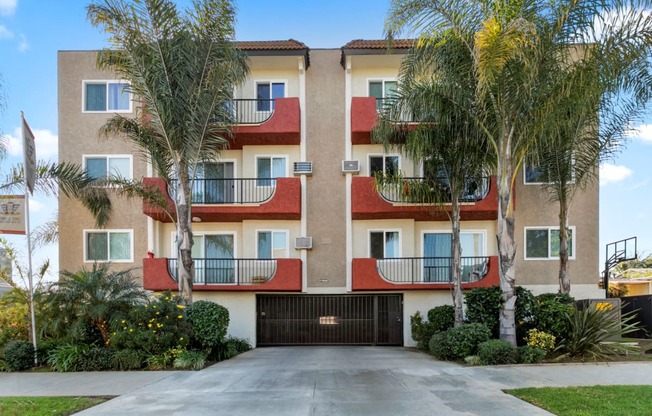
518, 47
436, 87
94, 297
183, 68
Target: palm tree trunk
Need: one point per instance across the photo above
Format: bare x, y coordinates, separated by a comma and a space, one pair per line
457, 254
184, 238
564, 278
506, 250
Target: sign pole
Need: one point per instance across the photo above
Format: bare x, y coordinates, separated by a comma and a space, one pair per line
28, 134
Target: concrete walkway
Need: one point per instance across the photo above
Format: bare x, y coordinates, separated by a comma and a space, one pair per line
324, 381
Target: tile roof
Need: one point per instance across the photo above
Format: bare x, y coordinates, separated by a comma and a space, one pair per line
378, 44
271, 45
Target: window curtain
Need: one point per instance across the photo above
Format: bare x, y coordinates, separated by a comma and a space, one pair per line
437, 250
118, 96
95, 97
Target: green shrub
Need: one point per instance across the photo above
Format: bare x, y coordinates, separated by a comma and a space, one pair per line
231, 347
96, 359
483, 306
496, 351
597, 333
210, 322
463, 340
47, 345
153, 328
439, 347
160, 361
421, 331
127, 359
442, 318
550, 314
541, 340
530, 355
14, 319
190, 360
67, 357
19, 355
473, 360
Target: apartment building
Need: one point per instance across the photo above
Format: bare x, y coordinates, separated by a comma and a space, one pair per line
291, 235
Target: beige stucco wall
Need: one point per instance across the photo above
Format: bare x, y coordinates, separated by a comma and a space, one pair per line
326, 188
365, 68
533, 208
242, 312
78, 135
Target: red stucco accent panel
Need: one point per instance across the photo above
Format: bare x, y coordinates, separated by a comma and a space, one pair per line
365, 277
285, 204
284, 127
367, 204
363, 119
286, 279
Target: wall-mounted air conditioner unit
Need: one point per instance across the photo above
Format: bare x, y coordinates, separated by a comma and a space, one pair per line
302, 168
303, 243
350, 166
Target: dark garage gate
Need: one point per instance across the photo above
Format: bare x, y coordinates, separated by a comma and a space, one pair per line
329, 319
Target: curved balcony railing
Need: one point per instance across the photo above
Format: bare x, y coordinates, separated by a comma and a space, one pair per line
431, 269
431, 190
224, 271
250, 111
230, 191
384, 107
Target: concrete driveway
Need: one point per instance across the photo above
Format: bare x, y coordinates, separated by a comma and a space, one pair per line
322, 381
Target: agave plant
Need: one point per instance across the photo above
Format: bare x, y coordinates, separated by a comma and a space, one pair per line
597, 333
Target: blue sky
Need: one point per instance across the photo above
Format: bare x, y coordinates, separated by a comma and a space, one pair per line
31, 33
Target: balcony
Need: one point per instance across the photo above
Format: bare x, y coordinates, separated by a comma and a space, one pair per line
364, 117
393, 201
266, 122
422, 273
254, 275
233, 200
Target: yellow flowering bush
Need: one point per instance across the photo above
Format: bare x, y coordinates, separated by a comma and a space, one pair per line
154, 328
541, 340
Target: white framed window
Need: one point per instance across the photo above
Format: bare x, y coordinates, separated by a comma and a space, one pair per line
267, 92
384, 244
106, 96
272, 244
382, 89
214, 256
384, 164
439, 243
108, 245
542, 243
103, 166
270, 167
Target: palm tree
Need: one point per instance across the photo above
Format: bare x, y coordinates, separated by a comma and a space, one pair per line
183, 68
94, 297
518, 47
447, 142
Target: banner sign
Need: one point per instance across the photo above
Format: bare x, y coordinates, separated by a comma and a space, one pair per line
29, 153
12, 214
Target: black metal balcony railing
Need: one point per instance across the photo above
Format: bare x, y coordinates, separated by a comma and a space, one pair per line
228, 271
249, 111
431, 190
230, 191
431, 269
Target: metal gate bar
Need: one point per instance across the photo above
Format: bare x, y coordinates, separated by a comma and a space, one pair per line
329, 319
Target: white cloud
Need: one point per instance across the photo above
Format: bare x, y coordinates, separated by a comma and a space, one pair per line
610, 173
641, 132
46, 144
23, 45
8, 7
36, 206
5, 33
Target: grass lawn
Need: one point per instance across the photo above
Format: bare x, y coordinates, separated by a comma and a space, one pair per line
590, 401
50, 406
